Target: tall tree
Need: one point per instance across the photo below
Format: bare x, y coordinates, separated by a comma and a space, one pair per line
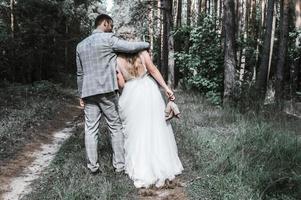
244, 32
282, 51
160, 38
165, 33
272, 41
264, 64
229, 48
201, 4
12, 17
188, 10
177, 45
151, 24
296, 65
179, 14
169, 27
259, 34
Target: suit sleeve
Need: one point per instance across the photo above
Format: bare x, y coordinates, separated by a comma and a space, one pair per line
80, 74
123, 46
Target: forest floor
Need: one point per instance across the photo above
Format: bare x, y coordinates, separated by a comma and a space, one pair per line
226, 155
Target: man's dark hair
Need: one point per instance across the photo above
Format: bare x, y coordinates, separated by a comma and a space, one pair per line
100, 18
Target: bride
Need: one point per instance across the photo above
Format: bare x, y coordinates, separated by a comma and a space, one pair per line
151, 155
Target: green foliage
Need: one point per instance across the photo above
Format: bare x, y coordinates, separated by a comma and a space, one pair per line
46, 34
24, 107
202, 65
239, 156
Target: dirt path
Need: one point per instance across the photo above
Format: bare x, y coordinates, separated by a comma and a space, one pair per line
174, 191
17, 174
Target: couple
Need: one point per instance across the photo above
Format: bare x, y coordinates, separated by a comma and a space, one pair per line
142, 140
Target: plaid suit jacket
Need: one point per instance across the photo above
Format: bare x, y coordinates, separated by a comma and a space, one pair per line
96, 62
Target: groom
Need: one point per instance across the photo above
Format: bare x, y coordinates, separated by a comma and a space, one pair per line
97, 86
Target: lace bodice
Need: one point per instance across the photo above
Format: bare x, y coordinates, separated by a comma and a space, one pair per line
126, 69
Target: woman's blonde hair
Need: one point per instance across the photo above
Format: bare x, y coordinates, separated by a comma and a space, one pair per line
135, 62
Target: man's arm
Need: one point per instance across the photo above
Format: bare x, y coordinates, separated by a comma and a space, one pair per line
123, 46
79, 74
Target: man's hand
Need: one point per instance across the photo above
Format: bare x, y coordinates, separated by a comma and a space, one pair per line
169, 93
81, 103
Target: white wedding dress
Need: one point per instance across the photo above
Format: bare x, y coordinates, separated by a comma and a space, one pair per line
151, 154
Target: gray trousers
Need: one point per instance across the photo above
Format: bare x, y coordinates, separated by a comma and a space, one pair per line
95, 107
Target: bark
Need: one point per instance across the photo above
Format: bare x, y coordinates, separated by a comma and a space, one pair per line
151, 25
282, 51
200, 10
261, 81
188, 19
179, 14
159, 28
229, 57
177, 45
244, 28
260, 30
164, 51
12, 17
295, 68
203, 5
13, 70
169, 27
272, 42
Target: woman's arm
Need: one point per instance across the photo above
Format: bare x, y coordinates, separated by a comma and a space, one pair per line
152, 69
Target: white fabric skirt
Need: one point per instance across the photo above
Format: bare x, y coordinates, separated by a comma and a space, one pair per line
151, 154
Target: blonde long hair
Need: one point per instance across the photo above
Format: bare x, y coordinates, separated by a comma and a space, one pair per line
135, 63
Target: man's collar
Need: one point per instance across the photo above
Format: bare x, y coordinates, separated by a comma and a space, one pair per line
97, 31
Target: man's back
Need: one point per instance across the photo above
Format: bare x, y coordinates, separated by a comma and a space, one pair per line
96, 62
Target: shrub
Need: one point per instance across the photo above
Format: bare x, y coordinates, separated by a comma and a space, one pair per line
202, 65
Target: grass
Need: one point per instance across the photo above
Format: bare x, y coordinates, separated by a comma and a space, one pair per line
226, 155
24, 107
68, 178
239, 156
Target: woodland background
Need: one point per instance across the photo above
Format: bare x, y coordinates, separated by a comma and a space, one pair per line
230, 51
235, 66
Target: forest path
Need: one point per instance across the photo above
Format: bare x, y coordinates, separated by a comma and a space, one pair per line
22, 175
28, 165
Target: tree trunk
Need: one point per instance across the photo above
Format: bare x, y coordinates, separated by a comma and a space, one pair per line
264, 64
164, 51
244, 29
259, 40
177, 45
282, 52
151, 25
229, 47
295, 67
209, 7
188, 17
13, 70
159, 28
170, 48
179, 14
272, 42
12, 17
200, 10
238, 24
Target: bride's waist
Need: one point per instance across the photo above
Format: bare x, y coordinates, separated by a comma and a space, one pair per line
139, 78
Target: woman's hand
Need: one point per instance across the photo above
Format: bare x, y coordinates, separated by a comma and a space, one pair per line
169, 93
